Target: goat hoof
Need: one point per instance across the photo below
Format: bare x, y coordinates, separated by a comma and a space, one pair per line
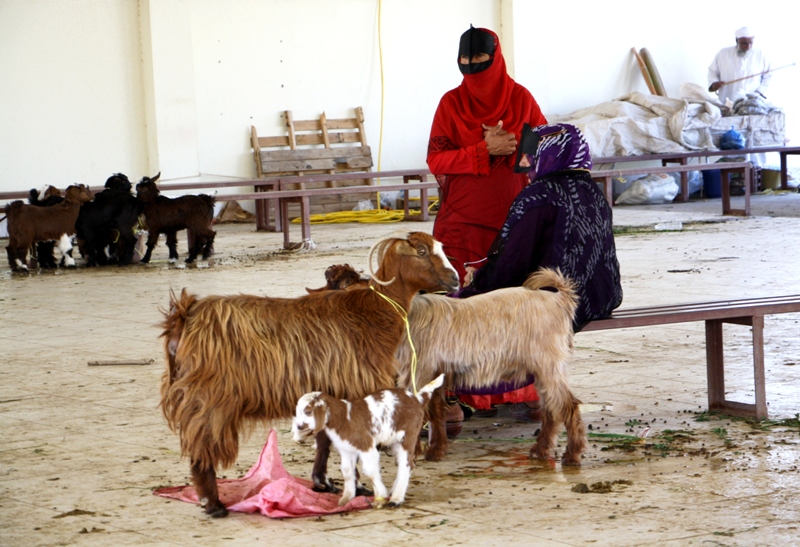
378, 503
326, 488
539, 453
395, 504
434, 455
364, 491
216, 511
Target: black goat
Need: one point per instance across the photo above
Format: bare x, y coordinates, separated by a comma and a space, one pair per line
165, 215
105, 225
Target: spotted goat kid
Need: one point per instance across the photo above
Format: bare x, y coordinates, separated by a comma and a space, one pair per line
391, 418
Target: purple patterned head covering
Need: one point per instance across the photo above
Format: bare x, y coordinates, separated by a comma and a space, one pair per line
562, 146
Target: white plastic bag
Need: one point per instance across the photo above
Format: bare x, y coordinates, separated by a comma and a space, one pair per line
652, 189
694, 178
364, 205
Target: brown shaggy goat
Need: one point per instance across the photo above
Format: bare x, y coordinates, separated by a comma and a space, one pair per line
28, 224
165, 215
506, 335
236, 360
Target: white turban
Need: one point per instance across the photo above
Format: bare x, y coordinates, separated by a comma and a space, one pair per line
744, 32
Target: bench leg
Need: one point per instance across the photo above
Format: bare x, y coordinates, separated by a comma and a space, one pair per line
784, 172
278, 216
305, 221
284, 207
608, 190
726, 193
716, 369
305, 218
715, 365
262, 215
758, 367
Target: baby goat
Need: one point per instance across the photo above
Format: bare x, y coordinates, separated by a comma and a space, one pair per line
340, 277
388, 418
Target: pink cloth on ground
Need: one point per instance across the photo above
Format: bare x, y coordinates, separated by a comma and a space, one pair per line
269, 489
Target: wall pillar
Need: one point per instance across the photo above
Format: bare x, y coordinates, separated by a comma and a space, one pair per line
169, 88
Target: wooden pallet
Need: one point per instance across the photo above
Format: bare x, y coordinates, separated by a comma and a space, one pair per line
314, 147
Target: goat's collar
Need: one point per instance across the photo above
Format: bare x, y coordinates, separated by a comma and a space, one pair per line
399, 309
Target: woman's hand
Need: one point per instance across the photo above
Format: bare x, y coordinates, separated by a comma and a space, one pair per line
499, 142
468, 276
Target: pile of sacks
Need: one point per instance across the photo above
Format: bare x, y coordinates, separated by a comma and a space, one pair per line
752, 104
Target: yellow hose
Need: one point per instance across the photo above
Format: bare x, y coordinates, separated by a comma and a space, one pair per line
374, 215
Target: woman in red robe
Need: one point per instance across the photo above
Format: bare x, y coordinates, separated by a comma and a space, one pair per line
471, 151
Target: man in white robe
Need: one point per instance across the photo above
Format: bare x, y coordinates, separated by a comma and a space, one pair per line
736, 62
732, 63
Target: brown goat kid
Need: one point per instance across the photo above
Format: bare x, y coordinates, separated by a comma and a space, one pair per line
237, 360
341, 277
388, 419
165, 215
507, 335
28, 224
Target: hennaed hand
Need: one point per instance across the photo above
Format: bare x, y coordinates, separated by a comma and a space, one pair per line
499, 142
469, 275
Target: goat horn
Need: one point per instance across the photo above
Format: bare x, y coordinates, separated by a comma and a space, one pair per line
382, 243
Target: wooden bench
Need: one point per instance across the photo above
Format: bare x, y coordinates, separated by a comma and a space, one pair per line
683, 158
311, 147
748, 312
727, 169
413, 180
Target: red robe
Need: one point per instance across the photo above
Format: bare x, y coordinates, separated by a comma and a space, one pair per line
476, 190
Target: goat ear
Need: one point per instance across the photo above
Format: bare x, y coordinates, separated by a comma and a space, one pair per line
320, 410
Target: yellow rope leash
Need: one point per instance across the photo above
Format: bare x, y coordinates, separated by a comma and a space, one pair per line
404, 315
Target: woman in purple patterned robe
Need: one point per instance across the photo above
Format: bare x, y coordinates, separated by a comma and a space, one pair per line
560, 220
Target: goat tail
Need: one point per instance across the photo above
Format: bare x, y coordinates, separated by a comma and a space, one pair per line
13, 208
424, 395
549, 279
208, 200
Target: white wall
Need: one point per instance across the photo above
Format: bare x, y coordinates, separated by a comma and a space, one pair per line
71, 106
100, 86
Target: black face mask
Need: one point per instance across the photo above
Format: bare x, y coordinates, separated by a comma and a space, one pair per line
528, 144
472, 42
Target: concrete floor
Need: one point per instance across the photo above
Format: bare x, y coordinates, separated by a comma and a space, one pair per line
83, 446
